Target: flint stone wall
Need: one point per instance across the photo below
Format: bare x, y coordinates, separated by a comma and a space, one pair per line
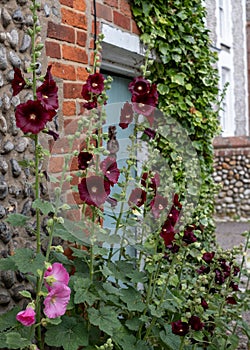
232, 174
16, 182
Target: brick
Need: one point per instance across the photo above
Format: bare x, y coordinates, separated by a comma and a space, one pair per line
73, 198
69, 108
71, 126
82, 74
75, 54
56, 164
60, 32
125, 8
112, 3
135, 29
104, 12
73, 18
52, 49
72, 90
79, 5
81, 38
121, 20
64, 71
68, 3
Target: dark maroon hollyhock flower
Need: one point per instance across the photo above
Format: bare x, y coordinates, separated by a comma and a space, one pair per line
139, 86
47, 92
236, 270
231, 300
180, 328
86, 93
110, 170
112, 202
53, 133
149, 181
144, 104
94, 190
91, 101
234, 286
174, 248
173, 215
204, 304
176, 201
154, 93
137, 197
84, 159
189, 236
32, 116
196, 323
219, 276
150, 133
208, 257
18, 83
203, 270
90, 105
95, 83
158, 204
225, 267
167, 233
126, 116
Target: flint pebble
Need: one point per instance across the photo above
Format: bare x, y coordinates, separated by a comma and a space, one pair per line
13, 38
4, 297
2, 212
25, 43
22, 145
15, 168
6, 18
5, 234
3, 167
7, 147
3, 189
18, 16
14, 59
16, 292
8, 278
3, 58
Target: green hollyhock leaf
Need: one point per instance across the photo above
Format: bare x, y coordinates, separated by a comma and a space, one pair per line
171, 340
17, 219
133, 324
44, 206
133, 299
8, 319
8, 264
3, 341
15, 341
105, 318
71, 333
84, 291
27, 260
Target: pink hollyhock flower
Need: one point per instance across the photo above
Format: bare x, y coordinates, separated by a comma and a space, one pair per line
139, 86
84, 159
180, 328
18, 83
26, 317
94, 190
95, 83
55, 274
110, 170
158, 204
32, 116
47, 92
126, 116
57, 300
137, 198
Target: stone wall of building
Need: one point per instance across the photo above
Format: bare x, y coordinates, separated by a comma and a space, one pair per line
232, 174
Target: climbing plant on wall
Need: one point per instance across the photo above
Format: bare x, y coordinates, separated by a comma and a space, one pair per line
184, 68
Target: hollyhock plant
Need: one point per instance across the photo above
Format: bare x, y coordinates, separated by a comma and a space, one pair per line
18, 83
126, 116
139, 86
27, 317
32, 116
95, 83
47, 92
84, 159
137, 198
94, 190
110, 170
57, 300
54, 274
180, 328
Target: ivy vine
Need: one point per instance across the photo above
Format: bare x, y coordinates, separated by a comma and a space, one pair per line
184, 69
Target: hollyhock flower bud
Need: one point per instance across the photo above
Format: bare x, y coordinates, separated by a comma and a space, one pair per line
204, 304
26, 317
196, 323
180, 328
54, 274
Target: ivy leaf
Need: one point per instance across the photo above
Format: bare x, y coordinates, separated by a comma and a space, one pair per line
105, 318
15, 341
71, 333
27, 260
44, 206
178, 78
16, 219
